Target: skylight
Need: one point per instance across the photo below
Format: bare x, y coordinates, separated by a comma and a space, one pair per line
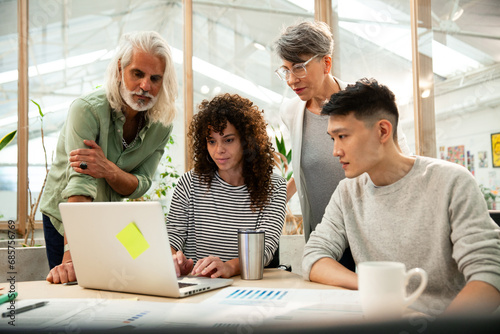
388, 28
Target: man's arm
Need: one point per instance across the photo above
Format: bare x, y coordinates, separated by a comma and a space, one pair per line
65, 272
476, 248
475, 297
328, 271
98, 166
326, 244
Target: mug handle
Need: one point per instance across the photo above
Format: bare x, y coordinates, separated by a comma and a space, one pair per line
423, 283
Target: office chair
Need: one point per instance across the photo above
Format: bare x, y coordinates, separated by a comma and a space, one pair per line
275, 262
495, 215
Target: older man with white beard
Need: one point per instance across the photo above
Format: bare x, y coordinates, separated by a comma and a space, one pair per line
112, 140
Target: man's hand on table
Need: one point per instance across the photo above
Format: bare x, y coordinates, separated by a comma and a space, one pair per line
62, 273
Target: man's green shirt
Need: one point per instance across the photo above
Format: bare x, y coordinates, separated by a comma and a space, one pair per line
91, 117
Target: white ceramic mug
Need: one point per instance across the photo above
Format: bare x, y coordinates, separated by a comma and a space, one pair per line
382, 288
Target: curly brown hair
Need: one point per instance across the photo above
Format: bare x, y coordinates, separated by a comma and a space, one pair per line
249, 121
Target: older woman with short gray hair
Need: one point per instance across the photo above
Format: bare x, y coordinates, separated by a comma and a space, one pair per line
306, 51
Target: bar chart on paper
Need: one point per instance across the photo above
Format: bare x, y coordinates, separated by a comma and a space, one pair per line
253, 296
286, 305
335, 298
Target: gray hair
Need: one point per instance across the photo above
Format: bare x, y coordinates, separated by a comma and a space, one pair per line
304, 38
153, 43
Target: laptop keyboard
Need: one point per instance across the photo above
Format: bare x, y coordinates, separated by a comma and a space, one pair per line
183, 285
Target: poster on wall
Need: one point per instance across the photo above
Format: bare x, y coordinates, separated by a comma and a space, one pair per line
442, 152
470, 162
495, 149
483, 159
456, 154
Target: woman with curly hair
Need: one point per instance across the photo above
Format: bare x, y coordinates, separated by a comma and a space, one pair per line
232, 186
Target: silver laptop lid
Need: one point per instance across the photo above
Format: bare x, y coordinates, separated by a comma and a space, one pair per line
120, 246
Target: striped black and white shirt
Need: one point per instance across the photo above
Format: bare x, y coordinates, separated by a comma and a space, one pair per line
204, 221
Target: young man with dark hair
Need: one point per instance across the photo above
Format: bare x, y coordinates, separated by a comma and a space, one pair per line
424, 212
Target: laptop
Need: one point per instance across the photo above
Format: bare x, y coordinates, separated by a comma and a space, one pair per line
124, 246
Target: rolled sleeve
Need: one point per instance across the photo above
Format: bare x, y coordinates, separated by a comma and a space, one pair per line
475, 237
82, 185
82, 124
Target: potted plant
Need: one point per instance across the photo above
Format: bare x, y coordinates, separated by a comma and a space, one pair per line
282, 159
30, 231
292, 239
489, 196
27, 260
167, 179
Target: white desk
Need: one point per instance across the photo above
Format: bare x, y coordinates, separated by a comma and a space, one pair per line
98, 304
273, 278
248, 319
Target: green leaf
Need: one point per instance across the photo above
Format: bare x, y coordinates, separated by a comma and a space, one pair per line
289, 175
280, 145
7, 139
39, 108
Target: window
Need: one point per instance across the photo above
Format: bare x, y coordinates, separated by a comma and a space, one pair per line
71, 42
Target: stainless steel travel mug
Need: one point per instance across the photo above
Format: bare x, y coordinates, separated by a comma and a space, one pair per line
251, 253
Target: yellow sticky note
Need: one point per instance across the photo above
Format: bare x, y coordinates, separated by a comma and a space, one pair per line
133, 240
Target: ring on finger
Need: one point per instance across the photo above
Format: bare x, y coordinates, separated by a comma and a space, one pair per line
83, 165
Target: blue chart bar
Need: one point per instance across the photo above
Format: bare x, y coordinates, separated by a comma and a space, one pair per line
268, 294
255, 294
283, 295
235, 292
245, 296
263, 292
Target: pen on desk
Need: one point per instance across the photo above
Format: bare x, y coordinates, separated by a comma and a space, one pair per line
8, 297
25, 308
71, 283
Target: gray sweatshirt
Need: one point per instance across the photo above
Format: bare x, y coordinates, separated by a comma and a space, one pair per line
433, 218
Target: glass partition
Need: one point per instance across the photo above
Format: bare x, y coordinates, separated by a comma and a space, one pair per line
465, 53
8, 109
70, 45
233, 49
374, 41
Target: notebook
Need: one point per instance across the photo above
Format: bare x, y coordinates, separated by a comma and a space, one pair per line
123, 246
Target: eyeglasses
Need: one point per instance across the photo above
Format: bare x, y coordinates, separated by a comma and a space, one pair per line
298, 70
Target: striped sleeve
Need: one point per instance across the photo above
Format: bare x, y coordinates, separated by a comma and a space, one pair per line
179, 212
273, 217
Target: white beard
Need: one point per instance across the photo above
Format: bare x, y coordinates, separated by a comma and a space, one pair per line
140, 105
